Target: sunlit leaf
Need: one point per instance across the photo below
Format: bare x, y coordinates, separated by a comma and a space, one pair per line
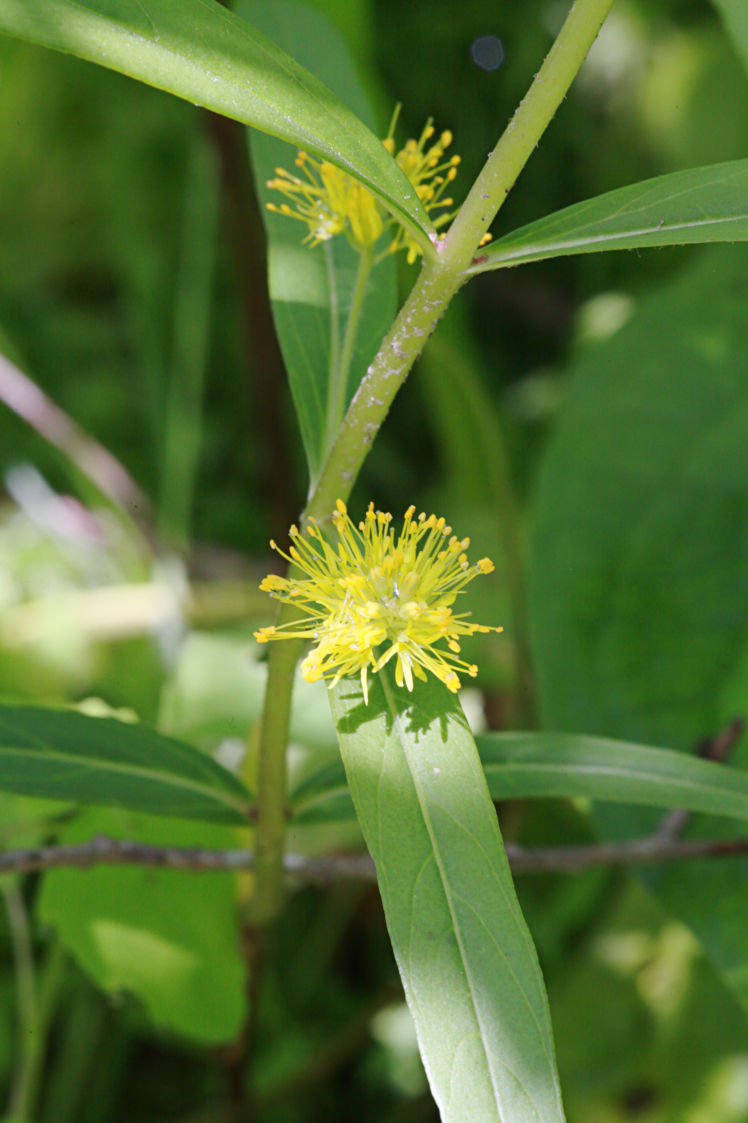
468, 965
699, 205
167, 937
202, 52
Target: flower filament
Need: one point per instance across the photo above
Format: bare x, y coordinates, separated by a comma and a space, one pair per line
331, 202
377, 597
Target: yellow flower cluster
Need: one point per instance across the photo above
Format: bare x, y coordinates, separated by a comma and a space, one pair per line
376, 596
330, 202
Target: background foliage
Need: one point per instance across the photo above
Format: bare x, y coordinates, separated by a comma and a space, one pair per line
596, 402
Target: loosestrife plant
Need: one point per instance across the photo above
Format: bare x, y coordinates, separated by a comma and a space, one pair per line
378, 605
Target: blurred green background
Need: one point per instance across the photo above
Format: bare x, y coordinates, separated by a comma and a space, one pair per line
585, 420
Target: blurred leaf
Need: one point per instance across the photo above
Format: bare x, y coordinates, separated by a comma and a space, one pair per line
201, 52
699, 205
166, 936
64, 755
181, 425
542, 765
735, 16
216, 693
473, 446
312, 289
640, 593
469, 968
640, 587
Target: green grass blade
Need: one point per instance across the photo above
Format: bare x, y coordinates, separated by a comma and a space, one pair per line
546, 765
202, 52
698, 205
66, 755
467, 961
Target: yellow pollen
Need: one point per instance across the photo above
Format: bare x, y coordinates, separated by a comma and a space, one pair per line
370, 595
330, 201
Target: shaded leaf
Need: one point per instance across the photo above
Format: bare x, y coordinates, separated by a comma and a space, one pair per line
639, 580
698, 205
466, 958
311, 289
543, 765
65, 755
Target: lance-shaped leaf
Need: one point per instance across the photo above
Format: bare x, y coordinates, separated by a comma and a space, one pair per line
699, 205
543, 765
63, 754
467, 961
202, 52
312, 290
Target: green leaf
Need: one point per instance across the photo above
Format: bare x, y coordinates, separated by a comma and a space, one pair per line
469, 968
639, 588
543, 765
202, 52
216, 690
168, 937
61, 754
699, 205
312, 290
639, 581
735, 16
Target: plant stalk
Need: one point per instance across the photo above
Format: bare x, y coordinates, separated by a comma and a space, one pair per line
438, 282
342, 365
35, 1027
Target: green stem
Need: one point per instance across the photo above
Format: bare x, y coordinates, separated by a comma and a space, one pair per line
271, 777
437, 284
334, 362
23, 963
35, 1028
340, 369
524, 131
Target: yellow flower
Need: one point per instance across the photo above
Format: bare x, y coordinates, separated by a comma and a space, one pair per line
329, 201
429, 173
332, 202
373, 597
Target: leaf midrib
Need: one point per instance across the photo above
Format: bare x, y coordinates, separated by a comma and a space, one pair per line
446, 888
139, 772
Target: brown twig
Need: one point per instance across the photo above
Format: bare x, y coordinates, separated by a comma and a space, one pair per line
717, 749
325, 870
20, 394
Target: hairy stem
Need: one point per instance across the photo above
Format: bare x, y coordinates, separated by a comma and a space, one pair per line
440, 279
522, 134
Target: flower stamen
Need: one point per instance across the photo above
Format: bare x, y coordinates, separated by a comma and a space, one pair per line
330, 201
376, 596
